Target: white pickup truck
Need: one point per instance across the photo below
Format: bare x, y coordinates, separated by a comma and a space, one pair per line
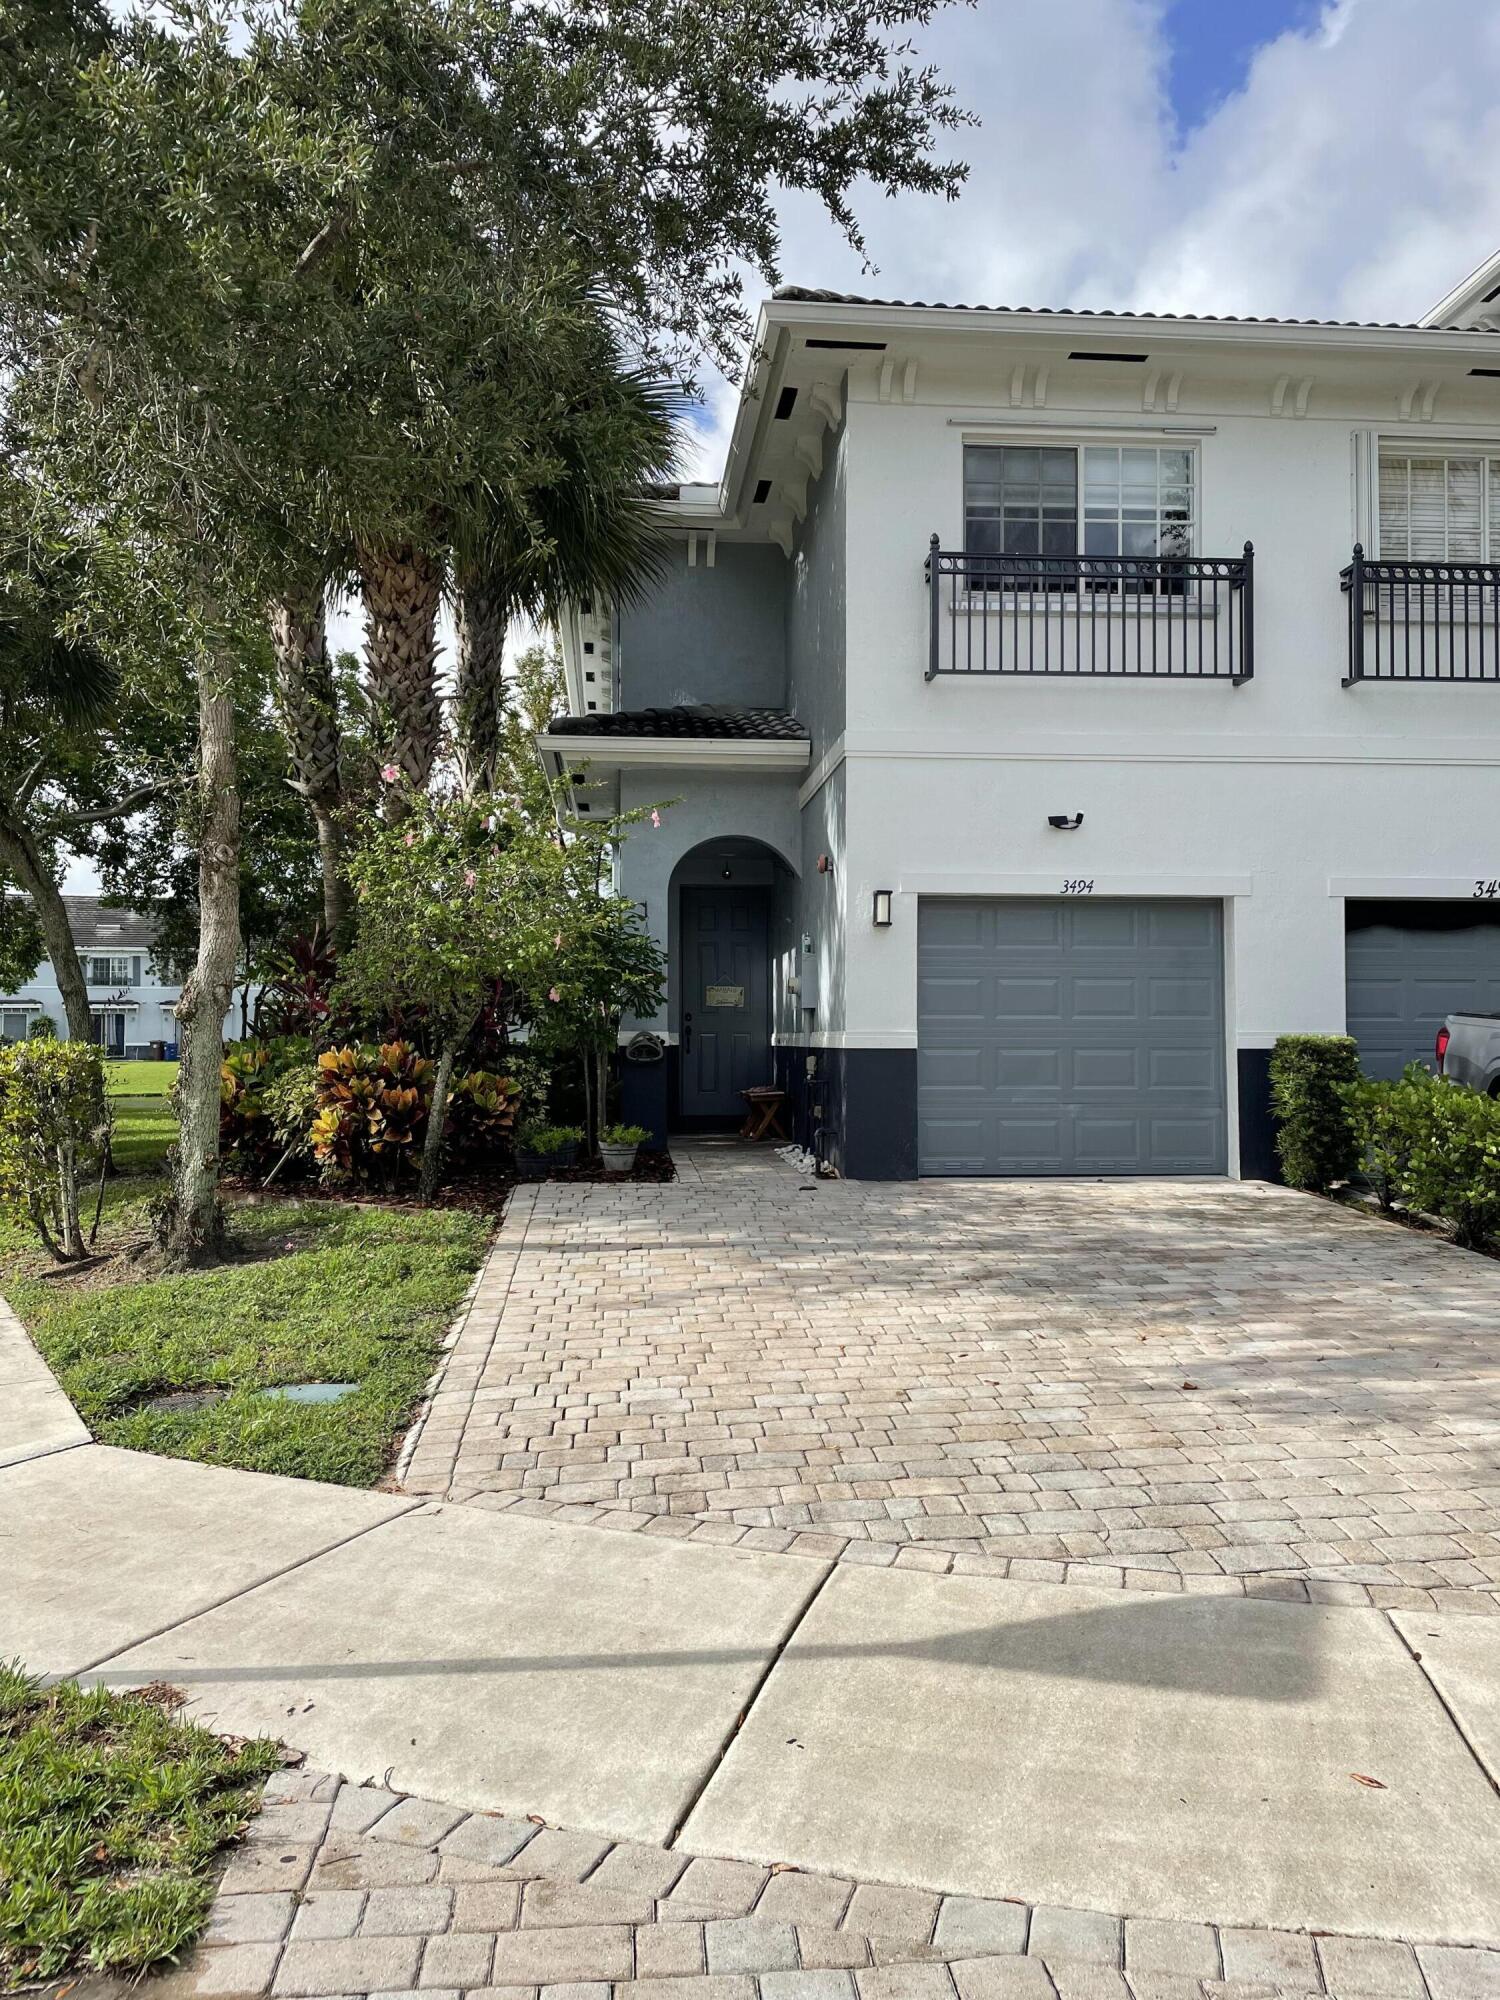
1468, 1051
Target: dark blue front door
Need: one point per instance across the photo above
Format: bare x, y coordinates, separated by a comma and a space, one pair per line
726, 1022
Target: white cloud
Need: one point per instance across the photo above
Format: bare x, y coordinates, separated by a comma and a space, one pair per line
1351, 175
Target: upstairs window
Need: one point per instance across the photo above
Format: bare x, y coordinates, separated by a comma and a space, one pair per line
1439, 507
1064, 501
112, 970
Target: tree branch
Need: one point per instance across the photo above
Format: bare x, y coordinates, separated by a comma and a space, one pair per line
117, 809
327, 240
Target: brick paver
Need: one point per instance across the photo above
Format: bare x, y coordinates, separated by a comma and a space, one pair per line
1161, 1385
622, 1932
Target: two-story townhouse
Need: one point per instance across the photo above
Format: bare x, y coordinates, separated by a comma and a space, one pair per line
1055, 707
131, 998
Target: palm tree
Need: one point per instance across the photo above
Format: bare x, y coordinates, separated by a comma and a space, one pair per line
308, 713
581, 526
402, 586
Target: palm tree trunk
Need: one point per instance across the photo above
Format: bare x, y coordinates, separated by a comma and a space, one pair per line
22, 860
309, 716
191, 1228
479, 691
401, 589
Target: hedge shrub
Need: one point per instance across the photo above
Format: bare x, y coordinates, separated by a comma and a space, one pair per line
1387, 1118
1454, 1166
1315, 1138
54, 1135
1433, 1145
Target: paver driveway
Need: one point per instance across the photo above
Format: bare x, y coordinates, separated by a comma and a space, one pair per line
1195, 1385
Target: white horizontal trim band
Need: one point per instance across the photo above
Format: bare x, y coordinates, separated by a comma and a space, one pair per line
1084, 426
1415, 888
1397, 753
1051, 885
695, 752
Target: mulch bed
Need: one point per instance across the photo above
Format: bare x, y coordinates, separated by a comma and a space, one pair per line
483, 1187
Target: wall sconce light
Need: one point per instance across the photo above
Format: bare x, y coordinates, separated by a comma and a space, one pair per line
880, 916
1065, 822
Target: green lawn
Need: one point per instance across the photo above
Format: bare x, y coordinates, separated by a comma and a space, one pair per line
317, 1291
140, 1079
112, 1813
144, 1128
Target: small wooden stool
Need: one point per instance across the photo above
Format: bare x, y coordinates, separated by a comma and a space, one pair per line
763, 1120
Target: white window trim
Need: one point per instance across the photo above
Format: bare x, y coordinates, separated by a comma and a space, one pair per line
1373, 447
1103, 604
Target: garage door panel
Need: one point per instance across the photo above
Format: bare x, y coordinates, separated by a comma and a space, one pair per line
1195, 1141
1183, 1000
1103, 926
1028, 999
1020, 926
1114, 1068
1023, 1145
958, 924
1404, 978
1184, 1069
1027, 1068
1111, 1144
952, 1001
1096, 1044
1105, 999
952, 1068
1183, 927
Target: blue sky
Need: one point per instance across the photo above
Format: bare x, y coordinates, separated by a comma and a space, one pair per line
1211, 42
1292, 158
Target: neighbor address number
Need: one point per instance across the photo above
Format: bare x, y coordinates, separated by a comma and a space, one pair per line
1488, 890
1079, 886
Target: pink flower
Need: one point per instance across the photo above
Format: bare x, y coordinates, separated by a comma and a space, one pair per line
553, 995
469, 878
390, 773
409, 840
557, 942
655, 817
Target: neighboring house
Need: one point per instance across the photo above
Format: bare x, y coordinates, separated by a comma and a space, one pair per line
130, 999
1016, 806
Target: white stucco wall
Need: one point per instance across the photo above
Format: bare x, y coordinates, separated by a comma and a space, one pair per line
1281, 796
152, 1000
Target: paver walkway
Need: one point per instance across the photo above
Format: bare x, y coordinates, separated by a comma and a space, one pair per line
1163, 1385
351, 1889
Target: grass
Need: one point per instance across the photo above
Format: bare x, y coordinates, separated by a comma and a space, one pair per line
112, 1813
316, 1291
139, 1079
144, 1128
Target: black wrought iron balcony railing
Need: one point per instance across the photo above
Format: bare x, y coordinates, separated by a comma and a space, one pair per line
1132, 617
1422, 621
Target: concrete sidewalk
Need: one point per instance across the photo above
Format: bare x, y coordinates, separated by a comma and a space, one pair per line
1156, 1757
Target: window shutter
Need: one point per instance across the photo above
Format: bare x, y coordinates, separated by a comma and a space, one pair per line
1395, 509
1364, 525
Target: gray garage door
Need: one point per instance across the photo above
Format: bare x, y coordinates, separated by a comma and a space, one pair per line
1070, 1038
1406, 968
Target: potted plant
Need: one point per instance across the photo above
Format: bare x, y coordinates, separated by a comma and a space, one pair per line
543, 1149
618, 1146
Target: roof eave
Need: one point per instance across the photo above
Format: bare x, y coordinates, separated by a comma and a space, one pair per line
1421, 339
1466, 297
703, 753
